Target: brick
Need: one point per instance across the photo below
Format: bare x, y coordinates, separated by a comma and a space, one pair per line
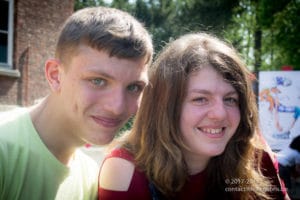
36, 27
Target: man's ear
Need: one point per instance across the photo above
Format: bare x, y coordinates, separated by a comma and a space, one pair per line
52, 73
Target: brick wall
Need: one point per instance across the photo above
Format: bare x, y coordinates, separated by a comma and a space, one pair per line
36, 27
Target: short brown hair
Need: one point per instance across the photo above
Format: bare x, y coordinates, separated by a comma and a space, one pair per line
105, 29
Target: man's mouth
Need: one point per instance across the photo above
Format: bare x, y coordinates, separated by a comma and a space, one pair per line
107, 122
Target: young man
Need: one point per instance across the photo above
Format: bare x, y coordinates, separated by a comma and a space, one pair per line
97, 79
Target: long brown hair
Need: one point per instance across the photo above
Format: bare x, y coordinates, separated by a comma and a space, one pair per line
155, 139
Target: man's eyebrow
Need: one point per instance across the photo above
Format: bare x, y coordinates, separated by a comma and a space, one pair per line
92, 71
99, 72
140, 82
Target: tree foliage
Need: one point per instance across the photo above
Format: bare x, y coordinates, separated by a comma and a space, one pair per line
88, 3
264, 31
212, 16
285, 29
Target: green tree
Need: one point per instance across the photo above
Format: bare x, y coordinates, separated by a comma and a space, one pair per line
285, 31
87, 3
265, 31
123, 5
160, 17
210, 16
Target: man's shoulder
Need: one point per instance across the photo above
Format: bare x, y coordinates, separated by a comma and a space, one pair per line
86, 161
13, 123
13, 115
12, 119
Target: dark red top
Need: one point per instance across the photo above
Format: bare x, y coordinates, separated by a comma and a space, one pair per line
193, 189
138, 188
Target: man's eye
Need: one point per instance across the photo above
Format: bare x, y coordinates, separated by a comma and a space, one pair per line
135, 88
98, 82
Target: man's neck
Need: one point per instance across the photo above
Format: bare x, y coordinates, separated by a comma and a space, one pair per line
51, 129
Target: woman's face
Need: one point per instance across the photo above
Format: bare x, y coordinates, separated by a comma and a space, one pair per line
210, 115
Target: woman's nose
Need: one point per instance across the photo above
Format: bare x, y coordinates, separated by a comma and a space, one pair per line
217, 110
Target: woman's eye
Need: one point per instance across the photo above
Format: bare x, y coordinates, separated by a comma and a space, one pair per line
231, 101
200, 100
98, 82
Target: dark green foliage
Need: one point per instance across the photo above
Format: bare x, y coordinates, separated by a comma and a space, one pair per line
87, 3
264, 31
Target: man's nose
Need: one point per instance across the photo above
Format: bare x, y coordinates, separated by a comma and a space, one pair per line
115, 102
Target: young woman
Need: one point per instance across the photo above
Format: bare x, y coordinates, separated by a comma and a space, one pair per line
195, 133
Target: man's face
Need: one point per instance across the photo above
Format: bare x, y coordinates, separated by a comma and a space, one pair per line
100, 93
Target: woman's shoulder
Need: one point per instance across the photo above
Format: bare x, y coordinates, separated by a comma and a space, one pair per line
117, 170
120, 153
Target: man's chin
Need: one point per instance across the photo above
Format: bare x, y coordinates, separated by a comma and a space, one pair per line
103, 140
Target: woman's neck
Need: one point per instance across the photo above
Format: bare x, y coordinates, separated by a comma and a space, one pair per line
195, 163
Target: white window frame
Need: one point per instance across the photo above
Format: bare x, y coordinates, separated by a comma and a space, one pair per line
7, 68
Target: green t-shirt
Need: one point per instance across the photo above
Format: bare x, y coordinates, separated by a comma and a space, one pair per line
29, 171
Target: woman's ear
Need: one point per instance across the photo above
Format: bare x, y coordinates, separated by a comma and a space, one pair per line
52, 73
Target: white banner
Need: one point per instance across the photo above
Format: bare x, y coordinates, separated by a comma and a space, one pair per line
279, 106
